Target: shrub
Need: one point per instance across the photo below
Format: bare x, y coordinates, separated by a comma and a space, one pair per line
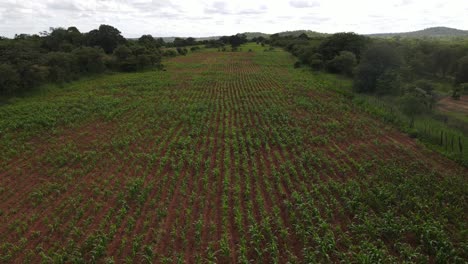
182, 51
343, 63
62, 66
461, 75
91, 60
169, 53
464, 88
378, 60
9, 79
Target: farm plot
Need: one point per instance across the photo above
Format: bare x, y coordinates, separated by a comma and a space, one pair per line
225, 157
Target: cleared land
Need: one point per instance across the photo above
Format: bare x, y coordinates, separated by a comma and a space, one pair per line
457, 106
226, 157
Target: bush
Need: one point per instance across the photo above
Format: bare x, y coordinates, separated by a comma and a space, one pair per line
378, 60
129, 65
343, 63
9, 79
182, 51
122, 53
464, 88
336, 43
388, 83
62, 66
456, 93
461, 75
412, 105
426, 85
90, 60
169, 53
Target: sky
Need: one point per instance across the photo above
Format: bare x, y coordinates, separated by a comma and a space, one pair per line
202, 18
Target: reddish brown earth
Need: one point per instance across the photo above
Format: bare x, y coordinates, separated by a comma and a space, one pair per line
160, 225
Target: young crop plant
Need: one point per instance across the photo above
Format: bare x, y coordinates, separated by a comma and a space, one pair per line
224, 157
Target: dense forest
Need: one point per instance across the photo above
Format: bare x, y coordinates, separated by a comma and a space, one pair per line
65, 54
384, 66
416, 71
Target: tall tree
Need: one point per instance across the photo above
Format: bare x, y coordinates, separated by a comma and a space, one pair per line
462, 71
443, 59
378, 63
106, 37
333, 45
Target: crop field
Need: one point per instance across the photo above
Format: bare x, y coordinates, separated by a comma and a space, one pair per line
224, 157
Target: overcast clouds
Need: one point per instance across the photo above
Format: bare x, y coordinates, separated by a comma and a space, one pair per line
209, 18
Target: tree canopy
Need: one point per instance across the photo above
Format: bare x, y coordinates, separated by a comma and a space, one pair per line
65, 54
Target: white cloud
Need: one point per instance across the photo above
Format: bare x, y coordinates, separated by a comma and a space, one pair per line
222, 17
304, 3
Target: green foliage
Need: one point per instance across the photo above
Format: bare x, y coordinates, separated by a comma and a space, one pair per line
183, 42
106, 37
343, 63
150, 43
90, 60
463, 88
182, 51
9, 79
61, 66
66, 54
462, 71
443, 59
226, 157
336, 43
378, 60
412, 105
389, 83
235, 40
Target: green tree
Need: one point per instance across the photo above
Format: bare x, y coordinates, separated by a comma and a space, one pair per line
147, 41
61, 65
443, 59
462, 71
9, 79
89, 60
412, 106
126, 61
464, 88
388, 83
343, 63
333, 45
122, 52
106, 37
378, 60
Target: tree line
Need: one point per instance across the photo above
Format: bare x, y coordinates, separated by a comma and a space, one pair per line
64, 54
410, 69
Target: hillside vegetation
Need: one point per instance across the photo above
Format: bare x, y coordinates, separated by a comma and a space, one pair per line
223, 157
433, 32
402, 81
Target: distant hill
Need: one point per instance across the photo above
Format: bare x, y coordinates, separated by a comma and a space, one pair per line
310, 33
251, 35
296, 33
433, 32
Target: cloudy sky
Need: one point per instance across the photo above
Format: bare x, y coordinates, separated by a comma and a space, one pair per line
199, 18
